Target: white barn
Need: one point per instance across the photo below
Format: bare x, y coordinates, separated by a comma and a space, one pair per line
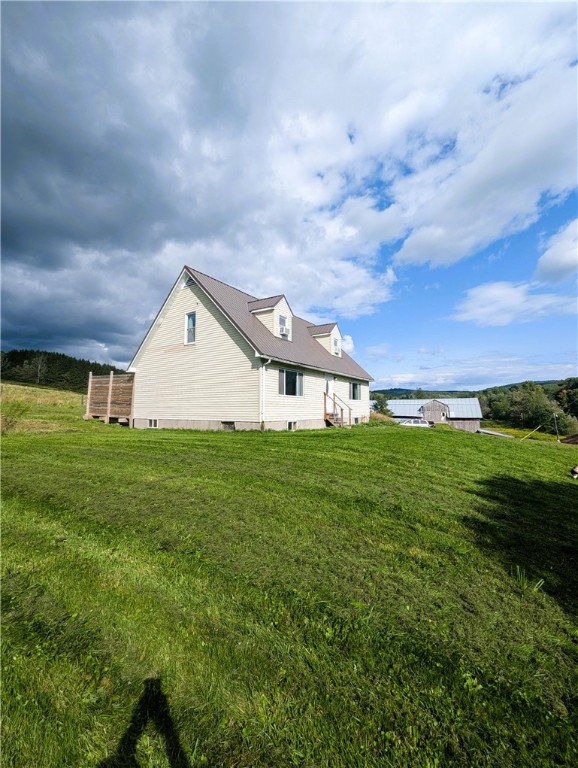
217, 358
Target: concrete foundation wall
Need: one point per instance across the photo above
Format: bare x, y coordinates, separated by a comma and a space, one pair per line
238, 426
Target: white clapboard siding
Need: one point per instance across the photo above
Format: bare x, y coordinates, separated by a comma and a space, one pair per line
267, 317
327, 340
311, 404
359, 408
282, 309
289, 407
217, 377
270, 317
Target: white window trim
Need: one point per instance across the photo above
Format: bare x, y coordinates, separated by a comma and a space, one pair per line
186, 339
352, 384
299, 375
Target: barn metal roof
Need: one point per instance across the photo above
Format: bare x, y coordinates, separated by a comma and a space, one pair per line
460, 407
302, 350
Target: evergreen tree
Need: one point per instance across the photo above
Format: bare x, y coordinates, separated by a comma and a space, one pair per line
53, 369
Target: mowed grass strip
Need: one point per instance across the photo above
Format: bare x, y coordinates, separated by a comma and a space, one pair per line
364, 597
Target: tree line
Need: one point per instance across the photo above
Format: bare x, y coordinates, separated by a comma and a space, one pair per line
51, 369
551, 405
531, 405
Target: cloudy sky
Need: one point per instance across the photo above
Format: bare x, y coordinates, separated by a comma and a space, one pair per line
408, 170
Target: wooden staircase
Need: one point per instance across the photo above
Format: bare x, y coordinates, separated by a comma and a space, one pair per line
337, 412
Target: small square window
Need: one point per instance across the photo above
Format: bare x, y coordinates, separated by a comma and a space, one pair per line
153, 423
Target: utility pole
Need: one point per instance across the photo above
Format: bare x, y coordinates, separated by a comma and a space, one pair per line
556, 425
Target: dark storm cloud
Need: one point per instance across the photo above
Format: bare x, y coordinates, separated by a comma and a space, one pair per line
67, 311
86, 162
112, 146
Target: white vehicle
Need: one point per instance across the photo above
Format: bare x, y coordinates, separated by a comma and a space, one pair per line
415, 423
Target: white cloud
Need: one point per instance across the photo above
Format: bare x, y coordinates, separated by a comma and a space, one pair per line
503, 303
378, 350
495, 182
480, 371
560, 258
347, 344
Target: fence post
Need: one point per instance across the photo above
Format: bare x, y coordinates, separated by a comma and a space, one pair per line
87, 413
109, 400
131, 417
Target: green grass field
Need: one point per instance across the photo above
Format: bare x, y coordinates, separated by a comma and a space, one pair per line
379, 596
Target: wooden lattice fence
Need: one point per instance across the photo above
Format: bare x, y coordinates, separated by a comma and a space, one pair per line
110, 398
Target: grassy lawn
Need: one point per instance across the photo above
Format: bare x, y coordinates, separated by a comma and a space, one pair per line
380, 596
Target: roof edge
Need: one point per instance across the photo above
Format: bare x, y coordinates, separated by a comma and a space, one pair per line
315, 368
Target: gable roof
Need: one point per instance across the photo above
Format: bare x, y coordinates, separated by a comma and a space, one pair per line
269, 303
321, 330
303, 350
460, 407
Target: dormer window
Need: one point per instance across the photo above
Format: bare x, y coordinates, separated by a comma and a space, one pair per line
283, 326
336, 347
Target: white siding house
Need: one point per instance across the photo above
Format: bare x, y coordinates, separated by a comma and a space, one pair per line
218, 358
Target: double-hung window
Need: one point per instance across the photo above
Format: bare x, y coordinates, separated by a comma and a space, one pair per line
191, 328
290, 383
354, 390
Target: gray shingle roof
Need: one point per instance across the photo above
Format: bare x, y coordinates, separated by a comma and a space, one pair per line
302, 350
460, 407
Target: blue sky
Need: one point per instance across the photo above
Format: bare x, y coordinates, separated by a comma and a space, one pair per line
409, 170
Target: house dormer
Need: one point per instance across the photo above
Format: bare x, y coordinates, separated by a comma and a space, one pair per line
275, 314
328, 336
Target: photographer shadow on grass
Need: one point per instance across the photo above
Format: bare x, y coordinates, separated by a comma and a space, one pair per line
531, 527
154, 706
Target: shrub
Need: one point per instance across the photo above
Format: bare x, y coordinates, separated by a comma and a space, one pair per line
12, 414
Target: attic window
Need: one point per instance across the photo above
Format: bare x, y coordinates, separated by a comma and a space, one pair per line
336, 349
191, 328
283, 326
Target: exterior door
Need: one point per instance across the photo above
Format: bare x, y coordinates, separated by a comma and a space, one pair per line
329, 401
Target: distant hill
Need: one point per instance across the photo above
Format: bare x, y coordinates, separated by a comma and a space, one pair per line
398, 393
53, 369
